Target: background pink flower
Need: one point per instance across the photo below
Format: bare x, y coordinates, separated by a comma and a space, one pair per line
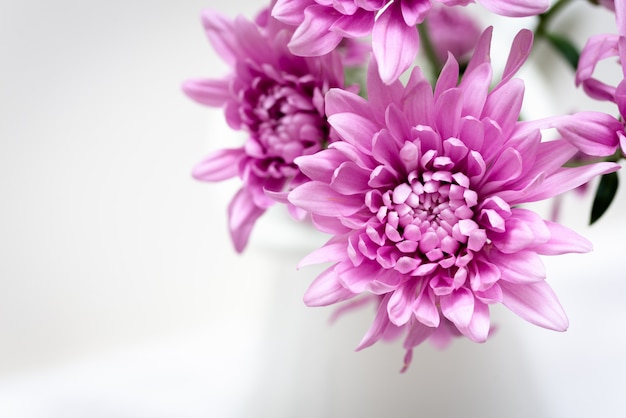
277, 99
392, 24
422, 197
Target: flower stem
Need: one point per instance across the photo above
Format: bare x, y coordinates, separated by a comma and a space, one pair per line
429, 50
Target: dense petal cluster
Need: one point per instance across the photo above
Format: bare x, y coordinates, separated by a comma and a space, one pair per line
422, 197
277, 98
323, 24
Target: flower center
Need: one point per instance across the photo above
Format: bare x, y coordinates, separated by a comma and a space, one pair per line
284, 120
429, 217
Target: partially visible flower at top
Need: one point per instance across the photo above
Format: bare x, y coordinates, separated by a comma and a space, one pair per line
451, 29
422, 198
323, 24
277, 98
598, 48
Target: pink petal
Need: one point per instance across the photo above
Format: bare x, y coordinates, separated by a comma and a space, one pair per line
504, 104
333, 251
290, 12
400, 303
475, 87
413, 12
594, 133
478, 328
350, 179
220, 165
563, 241
536, 303
481, 51
458, 307
321, 165
565, 179
394, 44
355, 25
321, 199
425, 308
379, 326
326, 290
354, 129
313, 37
242, 215
520, 49
522, 267
207, 92
516, 8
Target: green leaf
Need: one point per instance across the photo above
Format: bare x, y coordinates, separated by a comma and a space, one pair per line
565, 47
604, 196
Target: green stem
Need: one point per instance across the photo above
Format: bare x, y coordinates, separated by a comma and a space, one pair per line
545, 18
429, 50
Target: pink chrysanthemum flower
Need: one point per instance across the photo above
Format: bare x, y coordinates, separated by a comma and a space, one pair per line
392, 23
422, 196
452, 30
600, 47
277, 99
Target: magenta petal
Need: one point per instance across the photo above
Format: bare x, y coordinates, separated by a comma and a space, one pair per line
425, 308
520, 49
417, 334
354, 129
414, 11
220, 165
321, 165
290, 12
521, 268
313, 37
620, 98
536, 303
394, 44
399, 306
481, 51
355, 25
566, 179
207, 92
331, 252
318, 197
594, 133
242, 215
379, 326
326, 289
478, 328
458, 307
350, 179
563, 241
504, 105
516, 8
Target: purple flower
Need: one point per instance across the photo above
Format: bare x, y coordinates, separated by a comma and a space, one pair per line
451, 30
395, 41
422, 197
598, 48
277, 99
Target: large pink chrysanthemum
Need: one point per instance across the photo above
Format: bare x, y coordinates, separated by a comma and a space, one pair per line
274, 96
392, 23
422, 196
600, 47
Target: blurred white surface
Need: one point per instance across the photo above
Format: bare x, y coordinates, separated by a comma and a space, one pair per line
120, 295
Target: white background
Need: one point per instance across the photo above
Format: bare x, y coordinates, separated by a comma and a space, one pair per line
121, 296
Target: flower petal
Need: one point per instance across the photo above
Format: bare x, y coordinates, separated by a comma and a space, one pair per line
394, 44
326, 289
242, 215
536, 303
220, 165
